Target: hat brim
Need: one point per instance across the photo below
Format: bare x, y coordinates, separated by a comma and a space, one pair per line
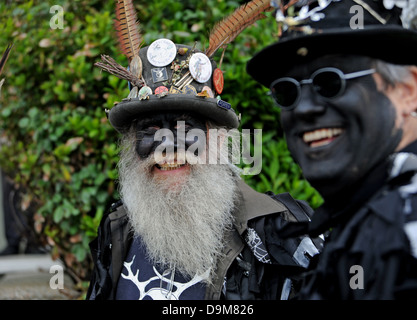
392, 44
122, 114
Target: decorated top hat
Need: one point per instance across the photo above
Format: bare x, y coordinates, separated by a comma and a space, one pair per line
166, 77
175, 78
381, 29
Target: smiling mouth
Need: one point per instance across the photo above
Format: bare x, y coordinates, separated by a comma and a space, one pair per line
321, 137
169, 166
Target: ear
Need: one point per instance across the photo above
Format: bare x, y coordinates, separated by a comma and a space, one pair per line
408, 91
403, 95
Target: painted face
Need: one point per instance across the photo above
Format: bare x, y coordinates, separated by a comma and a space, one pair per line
179, 125
336, 141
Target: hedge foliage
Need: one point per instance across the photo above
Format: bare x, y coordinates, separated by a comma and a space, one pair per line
56, 141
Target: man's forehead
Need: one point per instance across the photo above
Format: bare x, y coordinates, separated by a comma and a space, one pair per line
344, 62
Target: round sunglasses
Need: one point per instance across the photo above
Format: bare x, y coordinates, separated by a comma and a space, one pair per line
327, 82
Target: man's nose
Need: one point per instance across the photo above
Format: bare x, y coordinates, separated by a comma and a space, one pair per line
310, 105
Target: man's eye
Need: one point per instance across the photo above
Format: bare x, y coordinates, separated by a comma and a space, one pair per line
151, 129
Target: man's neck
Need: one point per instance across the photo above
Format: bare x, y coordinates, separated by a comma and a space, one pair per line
412, 147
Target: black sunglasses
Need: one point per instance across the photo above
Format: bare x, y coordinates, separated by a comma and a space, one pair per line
327, 82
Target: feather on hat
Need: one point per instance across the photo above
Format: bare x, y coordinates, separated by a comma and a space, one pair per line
3, 61
173, 77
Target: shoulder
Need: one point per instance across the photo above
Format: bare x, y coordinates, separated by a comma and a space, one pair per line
255, 204
115, 206
273, 211
402, 163
394, 207
116, 212
403, 173
399, 195
298, 210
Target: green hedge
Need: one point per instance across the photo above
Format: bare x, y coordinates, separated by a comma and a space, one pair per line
56, 141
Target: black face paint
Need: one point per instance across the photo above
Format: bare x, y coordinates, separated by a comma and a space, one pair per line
148, 126
337, 141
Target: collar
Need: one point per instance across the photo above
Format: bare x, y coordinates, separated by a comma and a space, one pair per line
253, 204
411, 148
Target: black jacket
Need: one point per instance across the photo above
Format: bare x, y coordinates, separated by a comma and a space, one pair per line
371, 251
248, 274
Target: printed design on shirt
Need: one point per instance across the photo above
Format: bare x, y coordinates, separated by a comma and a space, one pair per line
168, 290
256, 245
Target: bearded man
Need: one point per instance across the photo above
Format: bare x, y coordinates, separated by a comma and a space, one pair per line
349, 111
187, 228
180, 211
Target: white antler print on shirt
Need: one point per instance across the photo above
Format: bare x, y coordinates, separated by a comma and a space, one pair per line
159, 293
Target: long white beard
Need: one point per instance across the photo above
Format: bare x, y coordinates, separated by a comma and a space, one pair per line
181, 227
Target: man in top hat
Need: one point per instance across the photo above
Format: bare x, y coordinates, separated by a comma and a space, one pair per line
188, 227
344, 75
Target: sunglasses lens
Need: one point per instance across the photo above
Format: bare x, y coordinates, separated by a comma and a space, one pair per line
285, 93
328, 83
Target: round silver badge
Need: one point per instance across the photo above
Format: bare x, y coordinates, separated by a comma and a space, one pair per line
200, 67
161, 52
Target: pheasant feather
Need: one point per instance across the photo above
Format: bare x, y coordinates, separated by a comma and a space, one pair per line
3, 62
229, 28
111, 66
5, 56
127, 28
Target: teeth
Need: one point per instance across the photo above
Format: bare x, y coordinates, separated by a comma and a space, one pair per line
168, 167
321, 134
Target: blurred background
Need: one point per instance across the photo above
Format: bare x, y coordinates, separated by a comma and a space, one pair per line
58, 153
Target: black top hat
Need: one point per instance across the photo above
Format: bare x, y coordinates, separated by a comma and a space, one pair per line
382, 29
